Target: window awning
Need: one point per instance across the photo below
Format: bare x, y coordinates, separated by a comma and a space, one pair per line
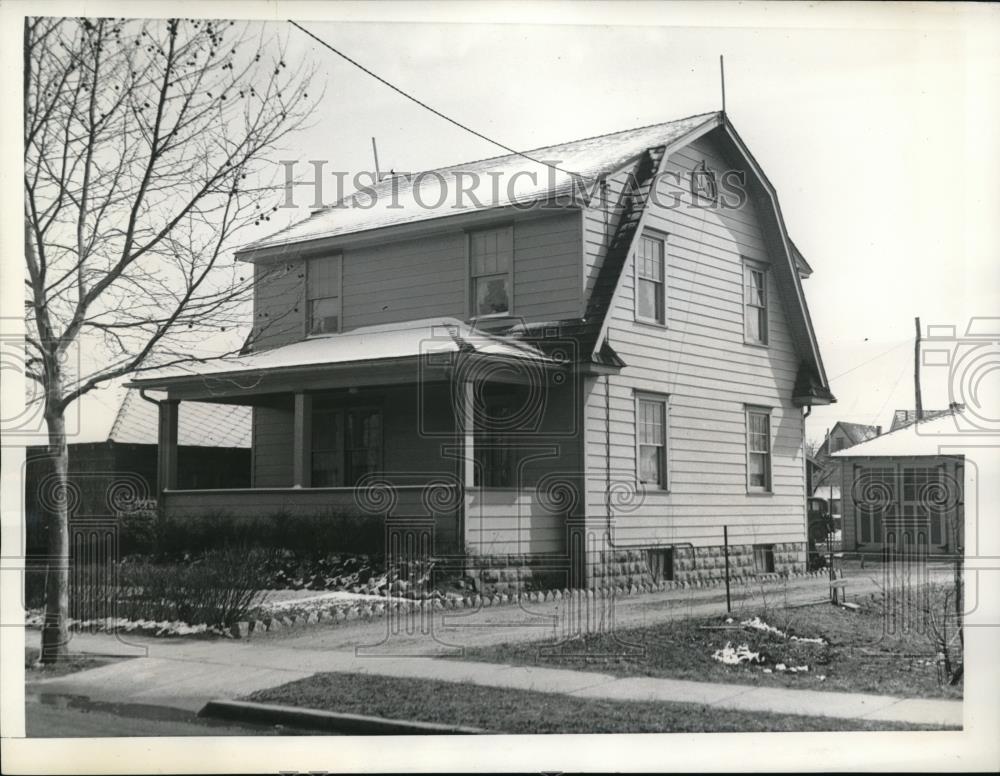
392, 353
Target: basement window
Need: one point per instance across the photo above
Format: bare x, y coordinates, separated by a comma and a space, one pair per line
660, 562
763, 558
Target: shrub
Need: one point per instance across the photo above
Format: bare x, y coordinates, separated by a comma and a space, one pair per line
218, 588
308, 537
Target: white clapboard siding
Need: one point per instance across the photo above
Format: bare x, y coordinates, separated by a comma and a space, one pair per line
701, 361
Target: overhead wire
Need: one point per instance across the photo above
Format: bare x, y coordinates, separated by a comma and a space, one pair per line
424, 105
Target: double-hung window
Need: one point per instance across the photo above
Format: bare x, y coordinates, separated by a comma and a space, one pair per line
758, 449
650, 286
651, 440
754, 303
346, 445
491, 271
494, 424
323, 295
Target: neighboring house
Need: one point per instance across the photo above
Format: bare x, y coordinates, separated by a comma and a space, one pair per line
903, 493
597, 373
117, 470
844, 435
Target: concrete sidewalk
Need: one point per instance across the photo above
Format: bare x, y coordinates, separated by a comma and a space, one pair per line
187, 674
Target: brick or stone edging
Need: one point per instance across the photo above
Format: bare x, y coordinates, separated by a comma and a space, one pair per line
337, 612
342, 611
316, 719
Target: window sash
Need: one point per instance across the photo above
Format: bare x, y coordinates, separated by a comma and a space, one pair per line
324, 315
323, 278
494, 453
650, 285
758, 450
650, 259
755, 304
491, 294
323, 292
651, 441
346, 445
491, 266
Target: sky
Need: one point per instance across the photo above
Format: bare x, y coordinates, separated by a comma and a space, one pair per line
874, 124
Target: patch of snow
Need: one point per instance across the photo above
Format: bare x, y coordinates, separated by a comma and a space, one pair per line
737, 656
331, 596
758, 624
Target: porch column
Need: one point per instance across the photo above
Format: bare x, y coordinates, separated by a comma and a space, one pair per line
166, 448
302, 441
468, 435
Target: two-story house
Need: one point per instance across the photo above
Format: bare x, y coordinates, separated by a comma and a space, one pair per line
592, 357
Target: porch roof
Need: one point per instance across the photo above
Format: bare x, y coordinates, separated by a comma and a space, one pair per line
434, 338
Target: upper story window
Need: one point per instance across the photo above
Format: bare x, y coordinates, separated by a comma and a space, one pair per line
491, 271
651, 440
754, 303
323, 295
703, 184
650, 293
758, 449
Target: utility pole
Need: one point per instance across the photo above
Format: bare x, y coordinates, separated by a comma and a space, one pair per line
916, 371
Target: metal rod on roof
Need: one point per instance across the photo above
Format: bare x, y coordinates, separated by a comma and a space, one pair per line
378, 174
722, 78
916, 372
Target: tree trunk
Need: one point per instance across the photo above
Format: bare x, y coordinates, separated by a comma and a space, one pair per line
55, 631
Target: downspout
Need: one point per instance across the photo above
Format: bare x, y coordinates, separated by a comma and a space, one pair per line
607, 452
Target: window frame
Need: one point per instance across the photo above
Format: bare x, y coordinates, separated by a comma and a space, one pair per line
309, 299
492, 443
748, 411
664, 400
751, 266
471, 276
340, 412
637, 277
763, 555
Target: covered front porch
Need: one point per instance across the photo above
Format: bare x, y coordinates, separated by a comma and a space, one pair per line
439, 424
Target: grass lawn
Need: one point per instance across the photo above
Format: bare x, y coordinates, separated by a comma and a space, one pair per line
858, 657
32, 670
500, 710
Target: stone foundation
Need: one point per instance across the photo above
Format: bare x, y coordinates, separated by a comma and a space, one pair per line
505, 574
628, 568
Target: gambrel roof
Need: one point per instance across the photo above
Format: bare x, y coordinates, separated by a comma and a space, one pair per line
591, 158
573, 169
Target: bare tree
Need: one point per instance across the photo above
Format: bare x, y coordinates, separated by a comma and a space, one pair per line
144, 145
